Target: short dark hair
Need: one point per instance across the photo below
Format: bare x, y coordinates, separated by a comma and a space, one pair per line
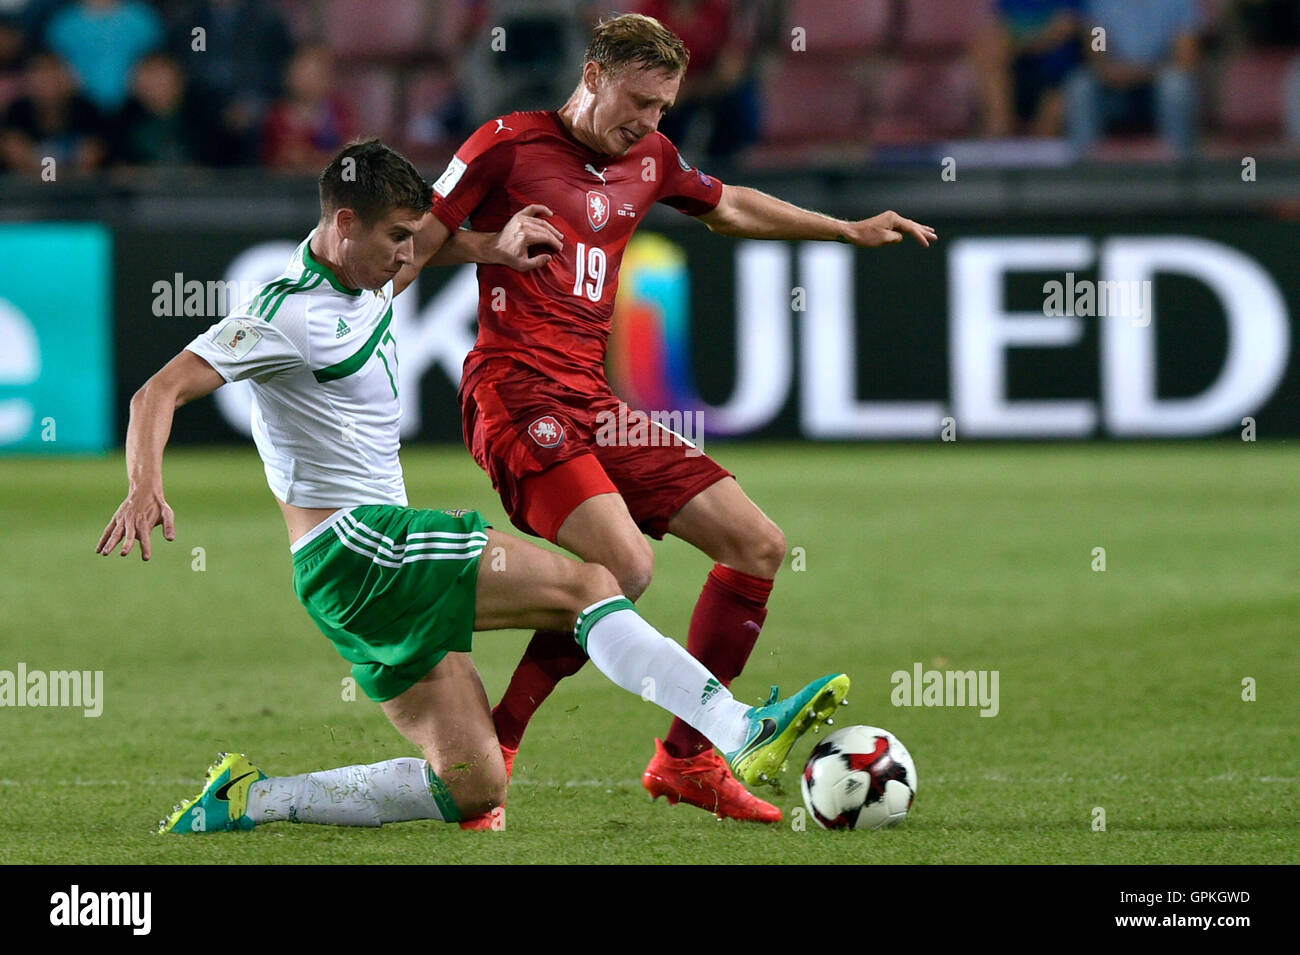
372, 179
634, 39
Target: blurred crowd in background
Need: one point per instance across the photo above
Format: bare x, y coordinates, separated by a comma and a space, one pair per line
281, 84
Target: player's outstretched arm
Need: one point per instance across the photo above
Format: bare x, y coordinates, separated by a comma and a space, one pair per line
749, 214
526, 229
183, 379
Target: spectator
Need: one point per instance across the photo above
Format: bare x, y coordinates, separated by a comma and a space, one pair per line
102, 40
161, 124
1023, 59
1291, 105
13, 46
1143, 76
541, 38
719, 86
1271, 24
312, 122
34, 15
52, 120
441, 118
234, 53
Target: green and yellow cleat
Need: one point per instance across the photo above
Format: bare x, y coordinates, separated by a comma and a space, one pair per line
776, 726
222, 806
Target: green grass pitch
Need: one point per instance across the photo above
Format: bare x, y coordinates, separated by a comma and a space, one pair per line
1120, 690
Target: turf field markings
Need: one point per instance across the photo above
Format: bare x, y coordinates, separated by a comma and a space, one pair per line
969, 780
97, 783
597, 783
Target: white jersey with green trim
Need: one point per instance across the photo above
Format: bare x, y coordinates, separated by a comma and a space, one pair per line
322, 364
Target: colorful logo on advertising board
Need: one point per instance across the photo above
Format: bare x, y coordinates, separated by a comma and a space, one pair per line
649, 361
55, 338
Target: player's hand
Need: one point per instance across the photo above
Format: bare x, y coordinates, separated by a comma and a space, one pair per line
527, 231
889, 228
138, 515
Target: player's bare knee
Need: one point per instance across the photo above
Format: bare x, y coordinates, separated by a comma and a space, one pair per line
634, 569
760, 550
770, 551
479, 806
483, 799
635, 579
477, 793
592, 583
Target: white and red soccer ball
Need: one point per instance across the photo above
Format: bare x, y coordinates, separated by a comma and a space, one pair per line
860, 777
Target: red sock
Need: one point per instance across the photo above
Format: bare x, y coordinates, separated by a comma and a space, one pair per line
550, 657
727, 621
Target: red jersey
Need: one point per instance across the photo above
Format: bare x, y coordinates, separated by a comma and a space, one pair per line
556, 319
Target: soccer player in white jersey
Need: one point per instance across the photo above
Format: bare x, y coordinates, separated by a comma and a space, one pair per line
400, 591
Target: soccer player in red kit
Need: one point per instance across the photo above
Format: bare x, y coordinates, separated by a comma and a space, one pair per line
534, 386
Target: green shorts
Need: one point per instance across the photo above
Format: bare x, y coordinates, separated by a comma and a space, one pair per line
394, 588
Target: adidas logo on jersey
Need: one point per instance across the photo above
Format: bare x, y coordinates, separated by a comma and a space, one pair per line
342, 330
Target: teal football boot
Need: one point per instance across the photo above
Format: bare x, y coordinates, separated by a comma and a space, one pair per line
777, 724
222, 806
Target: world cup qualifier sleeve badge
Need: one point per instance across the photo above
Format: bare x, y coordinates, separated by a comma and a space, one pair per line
237, 337
546, 431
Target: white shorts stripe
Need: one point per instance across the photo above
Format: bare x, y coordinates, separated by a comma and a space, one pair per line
369, 537
361, 539
382, 561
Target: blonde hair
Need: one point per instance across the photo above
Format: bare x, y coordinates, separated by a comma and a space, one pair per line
634, 39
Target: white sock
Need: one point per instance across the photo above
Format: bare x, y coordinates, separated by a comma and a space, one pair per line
393, 791
643, 661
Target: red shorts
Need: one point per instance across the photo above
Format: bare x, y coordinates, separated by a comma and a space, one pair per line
519, 423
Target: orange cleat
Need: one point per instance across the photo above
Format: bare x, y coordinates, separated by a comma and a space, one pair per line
705, 781
496, 819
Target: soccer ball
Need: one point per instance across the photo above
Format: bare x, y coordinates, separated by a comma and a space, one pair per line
860, 777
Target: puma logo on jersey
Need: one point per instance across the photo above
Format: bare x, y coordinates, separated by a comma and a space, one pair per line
599, 175
501, 124
342, 330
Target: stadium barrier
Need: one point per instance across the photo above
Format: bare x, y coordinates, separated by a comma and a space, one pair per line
1097, 324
